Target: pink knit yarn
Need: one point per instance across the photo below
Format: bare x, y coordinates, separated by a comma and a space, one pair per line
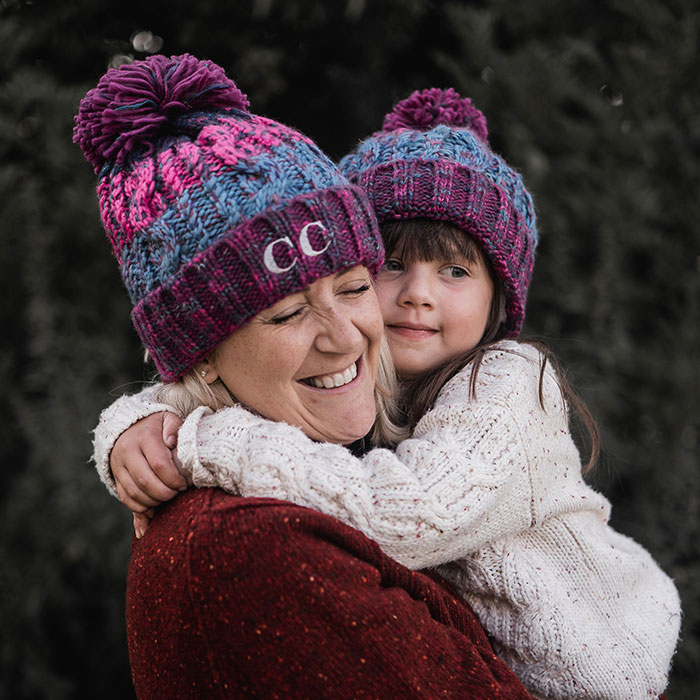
133, 102
428, 108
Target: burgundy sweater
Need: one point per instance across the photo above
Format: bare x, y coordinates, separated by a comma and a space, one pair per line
230, 597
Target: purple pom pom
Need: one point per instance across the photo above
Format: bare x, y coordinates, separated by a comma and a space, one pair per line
133, 103
427, 108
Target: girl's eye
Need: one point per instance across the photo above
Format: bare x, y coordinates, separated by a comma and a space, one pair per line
392, 265
455, 271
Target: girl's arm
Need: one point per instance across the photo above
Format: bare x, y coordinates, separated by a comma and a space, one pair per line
136, 465
461, 481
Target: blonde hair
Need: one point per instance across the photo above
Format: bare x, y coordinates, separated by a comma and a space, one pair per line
390, 426
192, 391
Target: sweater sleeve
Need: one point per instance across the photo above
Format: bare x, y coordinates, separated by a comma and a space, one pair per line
462, 481
114, 420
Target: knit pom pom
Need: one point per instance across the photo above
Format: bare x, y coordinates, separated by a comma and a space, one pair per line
134, 103
427, 108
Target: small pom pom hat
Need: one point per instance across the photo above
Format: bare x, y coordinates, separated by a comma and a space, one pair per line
432, 160
214, 213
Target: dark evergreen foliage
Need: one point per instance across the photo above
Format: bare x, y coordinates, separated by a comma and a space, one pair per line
597, 104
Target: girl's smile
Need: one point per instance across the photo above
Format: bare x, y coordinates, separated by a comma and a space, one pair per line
412, 330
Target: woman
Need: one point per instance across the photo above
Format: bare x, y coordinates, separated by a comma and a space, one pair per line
248, 258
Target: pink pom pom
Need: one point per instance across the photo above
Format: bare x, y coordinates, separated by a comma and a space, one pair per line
133, 103
427, 108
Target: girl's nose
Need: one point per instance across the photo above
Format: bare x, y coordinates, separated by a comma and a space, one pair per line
417, 289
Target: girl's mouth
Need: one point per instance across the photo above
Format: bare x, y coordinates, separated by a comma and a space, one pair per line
412, 332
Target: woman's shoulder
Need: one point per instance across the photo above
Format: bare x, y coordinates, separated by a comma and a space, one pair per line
204, 524
208, 556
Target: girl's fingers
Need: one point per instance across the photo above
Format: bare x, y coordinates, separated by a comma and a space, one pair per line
142, 465
146, 473
134, 504
141, 523
163, 466
171, 426
140, 485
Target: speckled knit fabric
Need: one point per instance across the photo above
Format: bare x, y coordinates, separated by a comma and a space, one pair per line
214, 213
432, 160
253, 598
489, 490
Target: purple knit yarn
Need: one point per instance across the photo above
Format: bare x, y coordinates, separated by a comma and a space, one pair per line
426, 109
133, 103
224, 286
432, 160
214, 213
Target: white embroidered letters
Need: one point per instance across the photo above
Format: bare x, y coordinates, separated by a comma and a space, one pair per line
305, 244
269, 256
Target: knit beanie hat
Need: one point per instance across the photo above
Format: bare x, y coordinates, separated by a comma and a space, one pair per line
432, 160
214, 213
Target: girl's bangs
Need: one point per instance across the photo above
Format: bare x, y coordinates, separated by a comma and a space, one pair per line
426, 240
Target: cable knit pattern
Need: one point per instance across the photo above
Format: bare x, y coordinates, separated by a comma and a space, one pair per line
214, 213
489, 490
432, 160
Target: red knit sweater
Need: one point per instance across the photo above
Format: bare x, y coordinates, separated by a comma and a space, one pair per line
231, 597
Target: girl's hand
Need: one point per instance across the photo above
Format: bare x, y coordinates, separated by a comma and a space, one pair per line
141, 522
145, 467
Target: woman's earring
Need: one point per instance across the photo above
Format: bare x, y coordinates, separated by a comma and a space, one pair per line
203, 373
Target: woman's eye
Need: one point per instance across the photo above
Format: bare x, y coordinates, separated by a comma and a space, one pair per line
278, 320
357, 290
392, 265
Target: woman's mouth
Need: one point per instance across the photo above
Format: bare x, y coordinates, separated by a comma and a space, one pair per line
333, 381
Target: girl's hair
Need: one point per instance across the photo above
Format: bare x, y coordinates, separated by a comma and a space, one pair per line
192, 391
429, 240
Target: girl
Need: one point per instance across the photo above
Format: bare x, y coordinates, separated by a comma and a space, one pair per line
489, 487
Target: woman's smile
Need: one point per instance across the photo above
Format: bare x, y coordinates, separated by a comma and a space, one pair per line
311, 359
334, 380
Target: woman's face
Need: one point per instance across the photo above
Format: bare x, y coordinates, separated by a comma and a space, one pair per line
311, 359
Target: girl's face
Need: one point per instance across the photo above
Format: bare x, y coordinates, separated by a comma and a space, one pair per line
311, 359
433, 310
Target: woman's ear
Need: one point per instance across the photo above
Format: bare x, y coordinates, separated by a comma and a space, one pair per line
206, 370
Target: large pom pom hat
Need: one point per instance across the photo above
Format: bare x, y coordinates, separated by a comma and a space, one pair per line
432, 160
214, 213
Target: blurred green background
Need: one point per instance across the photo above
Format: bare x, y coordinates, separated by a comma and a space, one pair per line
598, 104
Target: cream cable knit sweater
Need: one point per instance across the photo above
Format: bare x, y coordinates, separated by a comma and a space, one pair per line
490, 491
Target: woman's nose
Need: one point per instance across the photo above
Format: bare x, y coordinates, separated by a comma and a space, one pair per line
416, 290
339, 333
